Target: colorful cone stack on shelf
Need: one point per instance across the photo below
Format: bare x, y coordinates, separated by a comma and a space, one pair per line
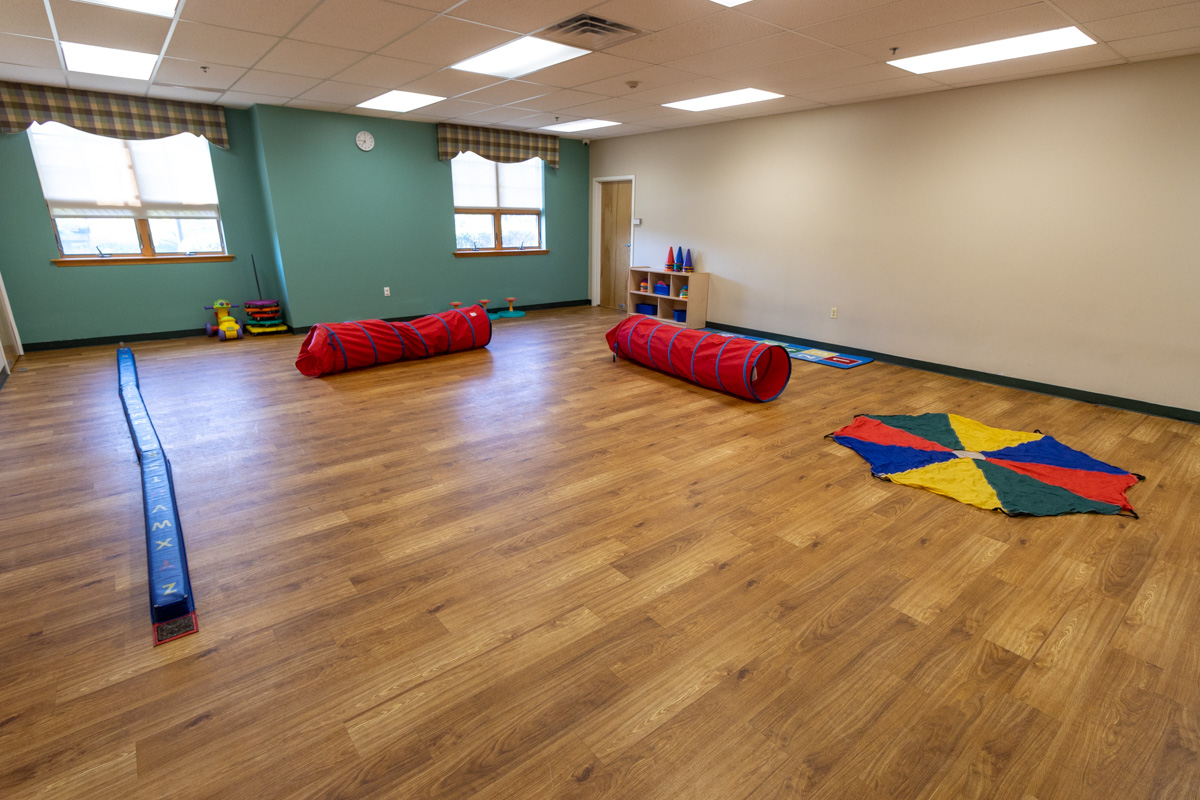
670, 258
679, 260
687, 262
264, 316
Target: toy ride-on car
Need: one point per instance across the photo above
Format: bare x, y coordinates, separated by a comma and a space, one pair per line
226, 326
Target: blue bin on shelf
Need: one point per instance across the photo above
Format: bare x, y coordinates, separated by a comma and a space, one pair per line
662, 288
680, 315
647, 308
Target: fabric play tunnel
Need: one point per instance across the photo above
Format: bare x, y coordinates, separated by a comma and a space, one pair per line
746, 368
339, 346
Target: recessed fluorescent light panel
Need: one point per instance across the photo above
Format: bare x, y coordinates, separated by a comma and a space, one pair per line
731, 3
1017, 47
580, 125
399, 101
159, 8
108, 61
518, 58
740, 97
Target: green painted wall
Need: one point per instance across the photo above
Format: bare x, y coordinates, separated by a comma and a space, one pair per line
349, 223
53, 304
328, 225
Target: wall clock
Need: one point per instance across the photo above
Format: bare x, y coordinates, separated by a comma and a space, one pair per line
365, 141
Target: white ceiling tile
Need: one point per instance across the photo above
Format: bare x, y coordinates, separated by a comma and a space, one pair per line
384, 72
247, 99
525, 16
508, 92
447, 109
208, 43
274, 18
102, 26
585, 69
1148, 23
611, 133
780, 105
501, 114
305, 58
783, 73
880, 89
1024, 67
450, 82
107, 83
183, 93
26, 17
315, 105
347, 94
641, 113
275, 84
601, 109
767, 50
557, 101
540, 120
1175, 43
19, 74
178, 72
28, 51
1088, 10
701, 35
648, 77
794, 15
987, 28
867, 73
903, 16
445, 41
997, 78
370, 112
683, 119
656, 15
700, 87
430, 5
358, 24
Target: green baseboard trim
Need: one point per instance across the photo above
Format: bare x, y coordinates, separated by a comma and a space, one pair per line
64, 344
1140, 406
129, 337
493, 307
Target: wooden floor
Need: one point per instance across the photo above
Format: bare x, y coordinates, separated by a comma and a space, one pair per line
528, 572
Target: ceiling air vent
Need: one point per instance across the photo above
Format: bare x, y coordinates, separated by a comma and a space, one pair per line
590, 33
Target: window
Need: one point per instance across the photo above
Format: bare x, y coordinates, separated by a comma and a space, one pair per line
497, 207
132, 201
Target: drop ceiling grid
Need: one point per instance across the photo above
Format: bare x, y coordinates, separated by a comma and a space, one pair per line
332, 54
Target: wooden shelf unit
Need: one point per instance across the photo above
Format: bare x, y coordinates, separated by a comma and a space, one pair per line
695, 304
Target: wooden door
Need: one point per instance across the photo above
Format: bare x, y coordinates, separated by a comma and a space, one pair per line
616, 211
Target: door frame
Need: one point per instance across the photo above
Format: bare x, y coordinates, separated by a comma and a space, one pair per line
12, 322
597, 208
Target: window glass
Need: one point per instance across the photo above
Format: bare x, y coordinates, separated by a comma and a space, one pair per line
519, 230
186, 235
474, 231
118, 197
97, 236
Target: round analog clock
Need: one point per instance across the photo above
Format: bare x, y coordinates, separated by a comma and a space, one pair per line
364, 140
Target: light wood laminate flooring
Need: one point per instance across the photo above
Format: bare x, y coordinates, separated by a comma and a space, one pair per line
528, 572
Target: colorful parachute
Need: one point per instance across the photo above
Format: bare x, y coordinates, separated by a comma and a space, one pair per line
1010, 471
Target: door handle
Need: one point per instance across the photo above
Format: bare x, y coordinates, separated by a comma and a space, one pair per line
629, 245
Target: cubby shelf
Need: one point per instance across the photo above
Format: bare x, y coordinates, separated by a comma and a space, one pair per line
694, 306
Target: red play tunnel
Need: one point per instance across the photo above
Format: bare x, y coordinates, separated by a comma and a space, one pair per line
749, 369
341, 346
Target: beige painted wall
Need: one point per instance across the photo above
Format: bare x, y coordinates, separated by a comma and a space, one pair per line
1045, 229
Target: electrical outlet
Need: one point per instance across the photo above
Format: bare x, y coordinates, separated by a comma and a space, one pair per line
833, 313
387, 291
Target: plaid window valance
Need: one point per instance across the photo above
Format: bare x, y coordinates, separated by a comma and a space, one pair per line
505, 147
116, 115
